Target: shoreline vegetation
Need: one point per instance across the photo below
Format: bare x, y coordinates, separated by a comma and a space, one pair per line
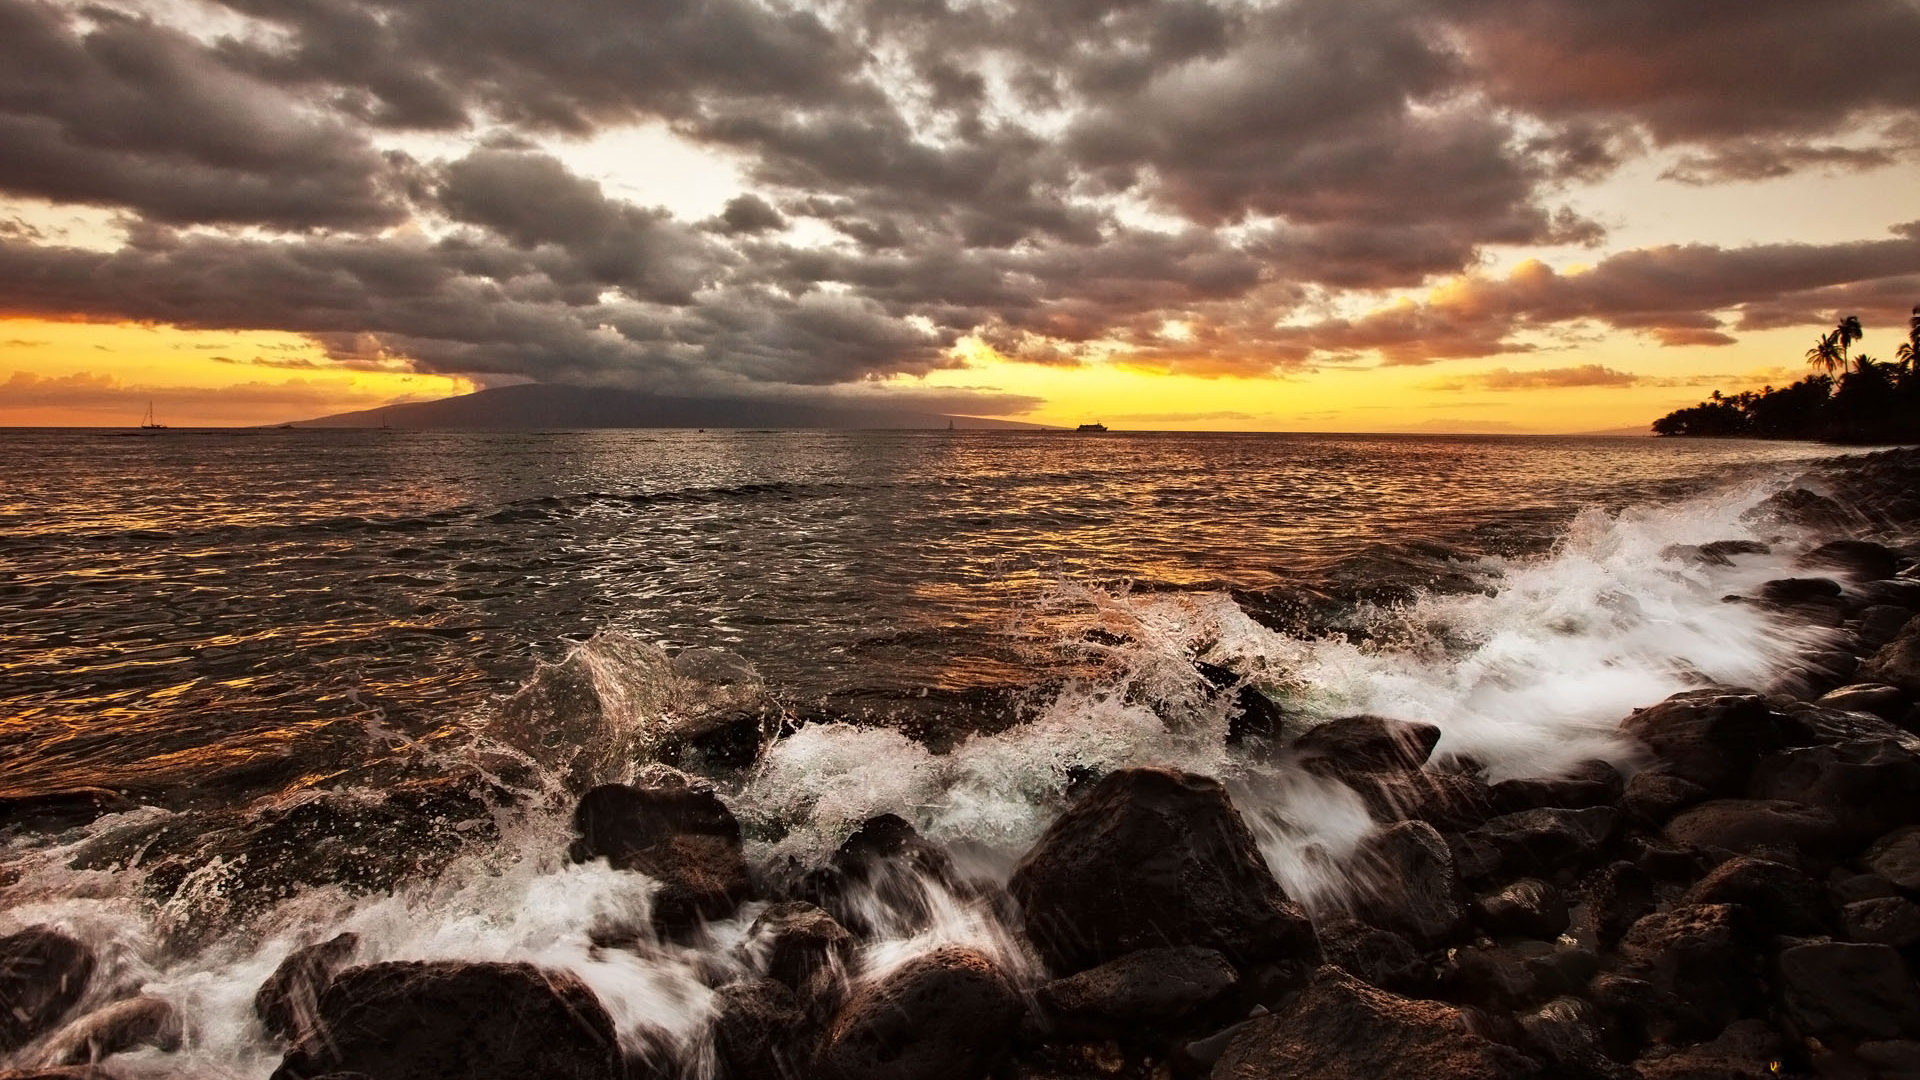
1850, 398
1737, 901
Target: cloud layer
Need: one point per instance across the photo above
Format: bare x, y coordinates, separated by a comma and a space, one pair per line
1191, 185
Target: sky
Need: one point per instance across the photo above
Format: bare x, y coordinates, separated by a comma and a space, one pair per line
1302, 215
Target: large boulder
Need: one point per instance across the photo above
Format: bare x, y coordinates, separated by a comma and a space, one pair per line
1339, 1028
799, 943
1768, 828
1149, 858
1151, 991
1896, 857
760, 1031
43, 972
427, 1021
1839, 988
1701, 954
124, 1025
1708, 737
1378, 957
946, 1015
1589, 783
882, 880
1898, 661
1528, 908
1363, 744
1886, 920
1781, 899
1867, 784
288, 1002
1405, 881
1548, 839
677, 833
1861, 560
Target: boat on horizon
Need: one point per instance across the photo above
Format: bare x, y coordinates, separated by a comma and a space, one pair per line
1091, 428
148, 423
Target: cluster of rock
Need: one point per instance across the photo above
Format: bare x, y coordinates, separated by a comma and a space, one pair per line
1743, 905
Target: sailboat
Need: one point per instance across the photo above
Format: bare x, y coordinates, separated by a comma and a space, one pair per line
148, 423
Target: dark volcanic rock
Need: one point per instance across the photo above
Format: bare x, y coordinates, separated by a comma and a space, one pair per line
1361, 744
1541, 841
1898, 662
1896, 857
1784, 831
1783, 900
760, 1031
1342, 1029
1378, 957
1515, 975
1798, 590
1861, 560
1526, 908
1653, 797
1886, 920
882, 873
1150, 991
426, 1021
680, 835
1617, 896
1590, 783
288, 1002
1154, 857
801, 942
946, 1015
1798, 506
1565, 1033
121, 1026
43, 972
1406, 881
1445, 800
1867, 784
1707, 737
1886, 702
1860, 991
1703, 955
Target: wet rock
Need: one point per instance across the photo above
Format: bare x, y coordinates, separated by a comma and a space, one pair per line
1515, 975
946, 1015
1406, 881
1707, 737
1861, 560
1653, 797
1528, 908
1798, 506
121, 1026
1896, 857
1724, 549
1154, 857
1881, 623
879, 879
1617, 896
801, 943
1805, 724
1889, 920
1634, 1011
1785, 832
1664, 860
57, 810
1799, 590
1565, 1034
1866, 784
1363, 744
1590, 783
1903, 592
1253, 714
1746, 1050
1701, 954
426, 1021
1342, 1029
1897, 663
1545, 840
1377, 957
1444, 800
288, 1001
1782, 899
1886, 702
43, 972
1852, 990
682, 835
1848, 887
760, 1031
1150, 991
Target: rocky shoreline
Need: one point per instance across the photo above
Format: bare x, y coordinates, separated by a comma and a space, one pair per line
1742, 900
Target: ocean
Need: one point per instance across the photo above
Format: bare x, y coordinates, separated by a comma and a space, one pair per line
219, 628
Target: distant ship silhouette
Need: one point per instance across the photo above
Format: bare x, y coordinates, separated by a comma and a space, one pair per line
1091, 427
147, 422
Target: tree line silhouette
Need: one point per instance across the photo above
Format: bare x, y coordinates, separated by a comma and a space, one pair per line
1850, 397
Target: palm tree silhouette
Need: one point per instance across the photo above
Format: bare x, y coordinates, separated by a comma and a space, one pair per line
1828, 354
1848, 331
1909, 351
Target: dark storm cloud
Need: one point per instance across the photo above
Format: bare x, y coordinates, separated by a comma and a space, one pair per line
111, 110
977, 168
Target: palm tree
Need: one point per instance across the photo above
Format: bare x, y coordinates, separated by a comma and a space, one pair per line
1848, 331
1908, 354
1828, 355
